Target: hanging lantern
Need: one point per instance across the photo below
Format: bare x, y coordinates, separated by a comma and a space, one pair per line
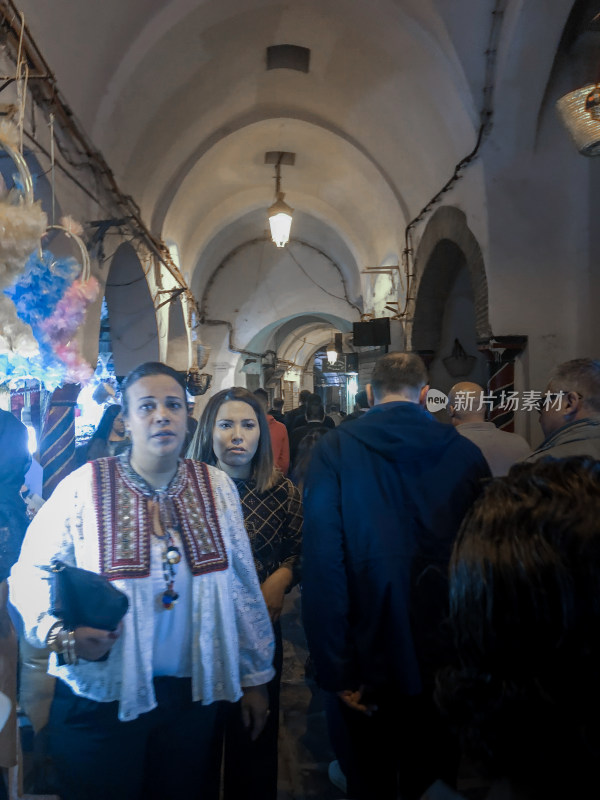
280, 221
280, 214
332, 354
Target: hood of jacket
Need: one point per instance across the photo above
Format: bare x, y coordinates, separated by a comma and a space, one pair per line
400, 431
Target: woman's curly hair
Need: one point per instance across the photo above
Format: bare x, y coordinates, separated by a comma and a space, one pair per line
525, 615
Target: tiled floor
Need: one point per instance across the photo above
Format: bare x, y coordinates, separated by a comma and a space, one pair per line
304, 749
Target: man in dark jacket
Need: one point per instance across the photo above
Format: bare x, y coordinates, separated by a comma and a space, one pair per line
361, 405
383, 501
298, 412
277, 410
314, 421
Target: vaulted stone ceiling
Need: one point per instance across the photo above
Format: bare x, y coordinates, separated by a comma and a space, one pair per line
177, 97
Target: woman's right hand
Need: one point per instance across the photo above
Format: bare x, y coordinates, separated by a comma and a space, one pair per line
92, 643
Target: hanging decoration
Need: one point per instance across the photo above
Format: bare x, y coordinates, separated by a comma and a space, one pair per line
459, 363
580, 113
198, 383
52, 299
69, 314
43, 298
22, 223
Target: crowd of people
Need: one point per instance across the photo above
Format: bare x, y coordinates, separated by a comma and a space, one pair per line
448, 574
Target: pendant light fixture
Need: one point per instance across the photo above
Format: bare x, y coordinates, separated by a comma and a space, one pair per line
332, 354
280, 214
334, 349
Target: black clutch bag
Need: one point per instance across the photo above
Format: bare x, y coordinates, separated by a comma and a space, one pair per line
80, 597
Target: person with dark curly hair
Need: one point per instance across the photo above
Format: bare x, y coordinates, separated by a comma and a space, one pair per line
525, 613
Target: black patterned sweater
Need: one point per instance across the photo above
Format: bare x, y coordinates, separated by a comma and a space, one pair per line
273, 520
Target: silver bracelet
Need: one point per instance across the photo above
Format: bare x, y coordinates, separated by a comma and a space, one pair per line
70, 655
62, 642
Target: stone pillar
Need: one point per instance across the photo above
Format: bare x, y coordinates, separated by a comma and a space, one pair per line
57, 445
501, 352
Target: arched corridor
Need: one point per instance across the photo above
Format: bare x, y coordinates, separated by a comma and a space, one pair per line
435, 190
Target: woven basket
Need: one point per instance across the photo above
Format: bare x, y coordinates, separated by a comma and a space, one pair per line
197, 382
580, 112
459, 363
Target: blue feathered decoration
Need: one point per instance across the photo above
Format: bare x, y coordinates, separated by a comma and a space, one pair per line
35, 295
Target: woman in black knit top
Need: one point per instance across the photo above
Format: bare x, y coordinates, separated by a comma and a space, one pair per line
233, 434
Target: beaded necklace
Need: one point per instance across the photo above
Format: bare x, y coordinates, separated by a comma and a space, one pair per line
171, 555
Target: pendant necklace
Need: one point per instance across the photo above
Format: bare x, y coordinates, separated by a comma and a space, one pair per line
171, 555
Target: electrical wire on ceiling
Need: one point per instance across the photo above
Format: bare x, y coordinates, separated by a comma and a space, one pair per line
485, 124
204, 319
209, 283
322, 288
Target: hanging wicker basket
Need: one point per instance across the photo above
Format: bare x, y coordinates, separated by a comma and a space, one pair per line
197, 382
459, 363
580, 112
202, 355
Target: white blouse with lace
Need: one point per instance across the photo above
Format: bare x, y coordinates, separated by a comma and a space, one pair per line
231, 634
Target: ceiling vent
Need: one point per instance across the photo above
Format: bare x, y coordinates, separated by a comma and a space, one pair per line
288, 56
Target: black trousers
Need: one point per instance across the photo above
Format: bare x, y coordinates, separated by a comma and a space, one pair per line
250, 769
172, 751
399, 751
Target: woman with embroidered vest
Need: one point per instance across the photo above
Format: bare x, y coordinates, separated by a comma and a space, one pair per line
138, 711
233, 434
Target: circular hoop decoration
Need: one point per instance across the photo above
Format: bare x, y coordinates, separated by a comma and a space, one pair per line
9, 141
71, 230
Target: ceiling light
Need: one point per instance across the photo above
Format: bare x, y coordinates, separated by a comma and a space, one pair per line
332, 354
280, 214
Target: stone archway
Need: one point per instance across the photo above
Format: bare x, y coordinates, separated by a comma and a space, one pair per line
451, 302
447, 245
132, 318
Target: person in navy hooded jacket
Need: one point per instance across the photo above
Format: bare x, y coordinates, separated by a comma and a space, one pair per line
383, 502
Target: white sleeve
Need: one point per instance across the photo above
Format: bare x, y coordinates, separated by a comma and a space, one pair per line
254, 628
50, 535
